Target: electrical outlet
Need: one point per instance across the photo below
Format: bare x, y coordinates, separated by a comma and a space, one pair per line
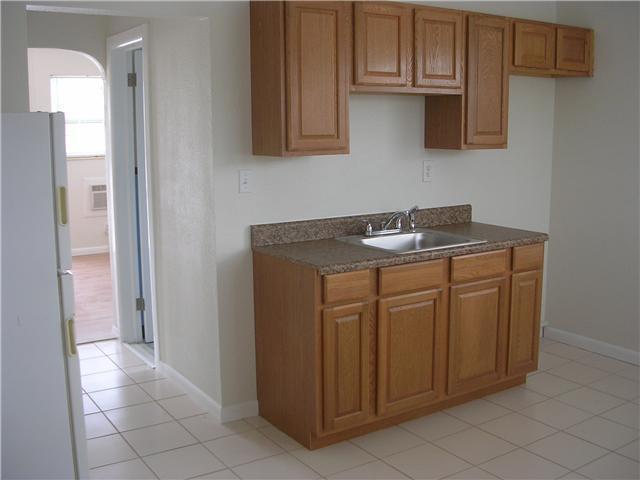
244, 181
427, 171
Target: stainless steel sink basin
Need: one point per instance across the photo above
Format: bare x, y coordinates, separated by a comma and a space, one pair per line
422, 240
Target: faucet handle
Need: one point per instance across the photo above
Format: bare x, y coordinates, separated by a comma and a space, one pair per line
368, 227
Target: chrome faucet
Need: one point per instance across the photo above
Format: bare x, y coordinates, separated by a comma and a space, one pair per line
394, 220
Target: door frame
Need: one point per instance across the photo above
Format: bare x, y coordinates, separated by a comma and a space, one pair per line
121, 187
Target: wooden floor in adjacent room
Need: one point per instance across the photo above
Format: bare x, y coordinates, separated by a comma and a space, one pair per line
93, 297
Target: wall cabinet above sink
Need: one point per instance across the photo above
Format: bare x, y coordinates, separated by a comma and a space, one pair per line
307, 56
407, 49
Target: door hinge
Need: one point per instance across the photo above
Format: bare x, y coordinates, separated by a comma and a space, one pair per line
132, 80
140, 304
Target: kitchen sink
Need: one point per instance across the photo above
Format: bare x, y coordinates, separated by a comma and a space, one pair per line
421, 240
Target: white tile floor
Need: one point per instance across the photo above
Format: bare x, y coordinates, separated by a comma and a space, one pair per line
578, 417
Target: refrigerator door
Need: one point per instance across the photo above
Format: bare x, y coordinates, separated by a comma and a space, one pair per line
67, 301
37, 434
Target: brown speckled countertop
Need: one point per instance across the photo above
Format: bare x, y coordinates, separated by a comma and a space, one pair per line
333, 256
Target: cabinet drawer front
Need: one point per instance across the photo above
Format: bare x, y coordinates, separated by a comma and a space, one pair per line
529, 257
346, 286
414, 276
479, 265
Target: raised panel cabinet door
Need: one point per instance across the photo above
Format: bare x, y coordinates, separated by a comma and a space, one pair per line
487, 80
382, 43
477, 334
317, 76
438, 48
345, 365
411, 350
534, 45
574, 49
524, 322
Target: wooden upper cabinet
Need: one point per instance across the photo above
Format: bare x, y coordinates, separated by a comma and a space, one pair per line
534, 45
574, 49
478, 329
382, 43
300, 66
438, 48
524, 330
487, 81
317, 75
412, 333
345, 365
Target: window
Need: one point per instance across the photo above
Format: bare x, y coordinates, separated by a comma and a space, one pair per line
82, 101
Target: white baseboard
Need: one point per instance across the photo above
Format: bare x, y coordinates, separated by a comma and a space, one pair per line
597, 346
197, 395
76, 252
224, 414
239, 410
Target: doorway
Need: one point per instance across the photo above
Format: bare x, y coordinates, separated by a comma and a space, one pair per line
107, 168
73, 83
130, 173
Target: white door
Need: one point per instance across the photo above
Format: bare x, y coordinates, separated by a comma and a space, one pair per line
40, 373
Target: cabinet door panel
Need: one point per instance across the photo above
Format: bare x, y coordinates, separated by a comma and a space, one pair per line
574, 49
524, 326
477, 334
487, 84
382, 43
317, 76
345, 356
438, 48
534, 45
411, 349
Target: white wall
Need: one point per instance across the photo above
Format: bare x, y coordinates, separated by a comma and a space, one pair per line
15, 91
84, 33
593, 252
182, 184
89, 232
180, 79
383, 172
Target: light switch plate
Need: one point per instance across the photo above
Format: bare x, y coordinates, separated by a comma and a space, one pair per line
427, 171
244, 181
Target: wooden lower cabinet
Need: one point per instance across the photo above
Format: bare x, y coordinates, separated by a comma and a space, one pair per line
345, 362
411, 350
344, 354
477, 334
524, 327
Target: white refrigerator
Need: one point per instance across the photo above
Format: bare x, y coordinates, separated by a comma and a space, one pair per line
43, 433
